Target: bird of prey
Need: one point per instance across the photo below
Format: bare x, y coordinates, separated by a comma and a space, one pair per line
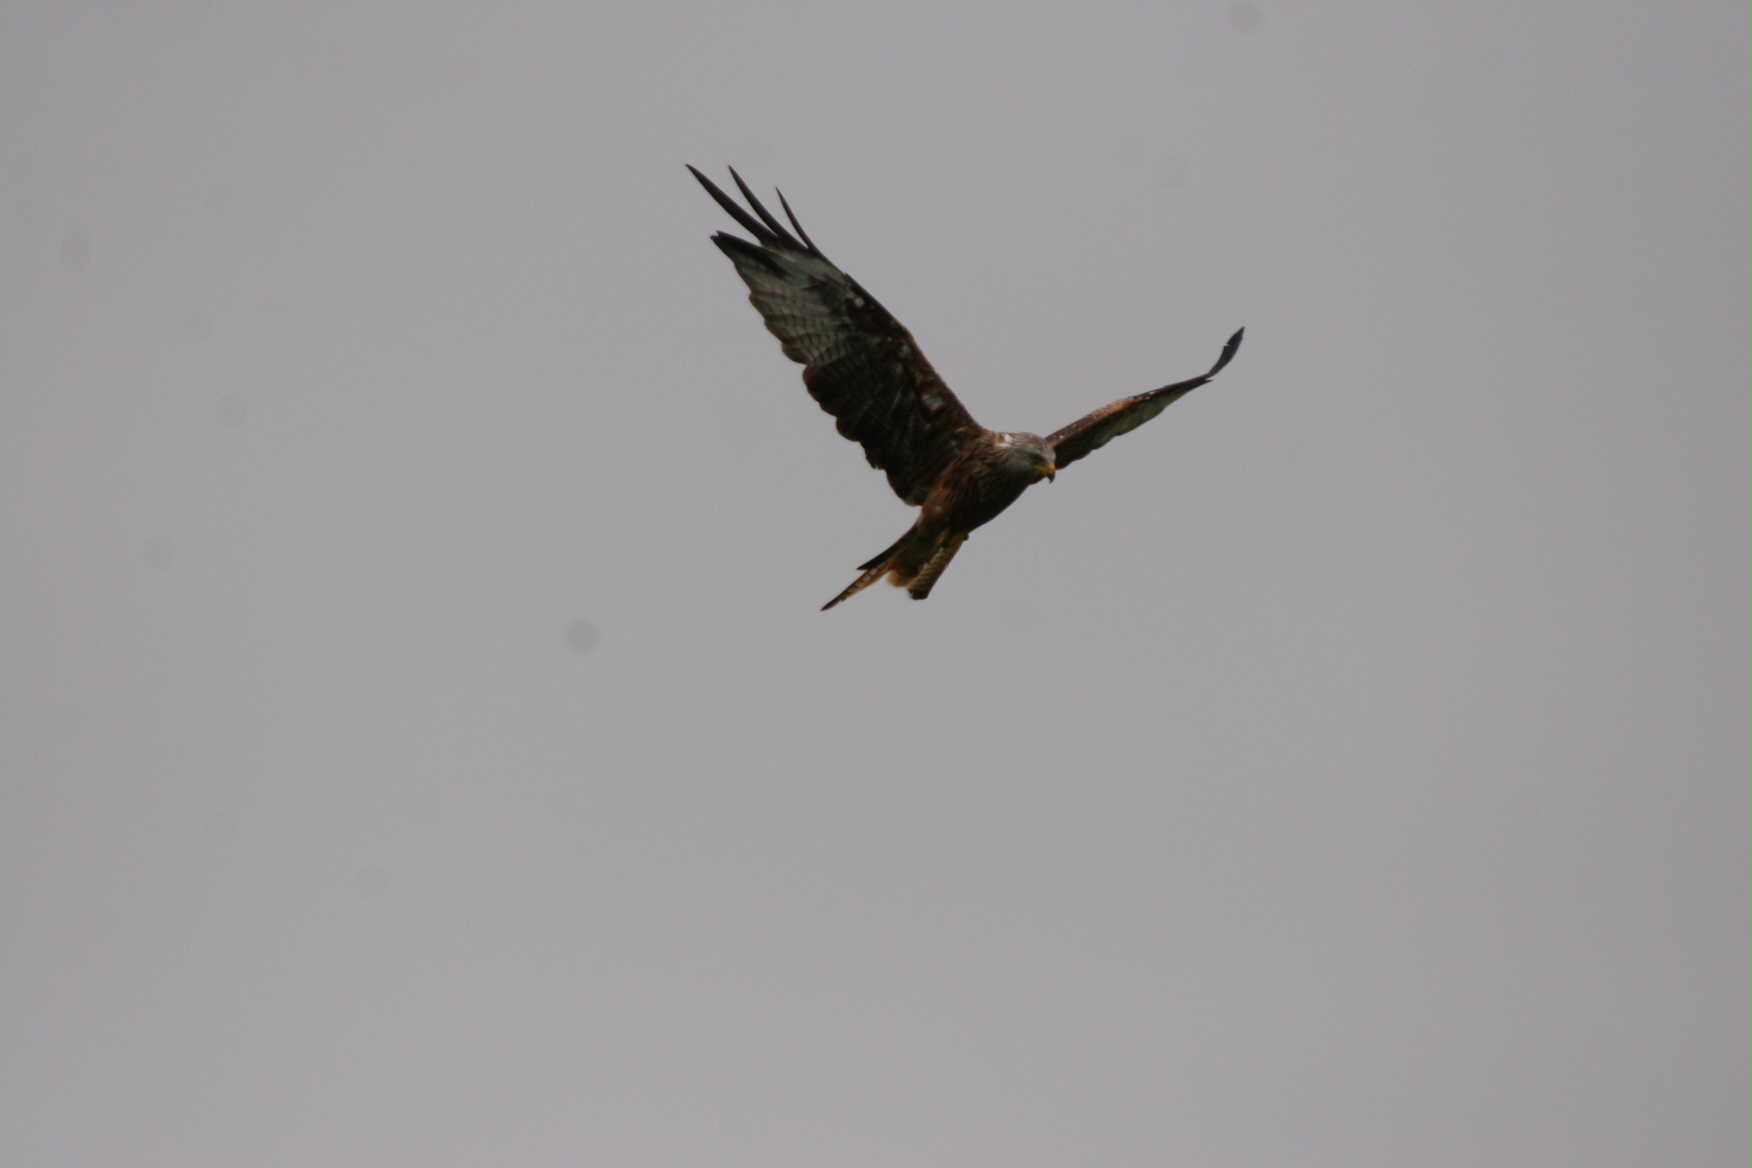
866, 370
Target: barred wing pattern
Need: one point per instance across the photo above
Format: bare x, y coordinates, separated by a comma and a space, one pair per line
858, 361
1093, 431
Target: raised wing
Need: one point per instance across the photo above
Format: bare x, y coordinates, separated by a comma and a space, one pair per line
858, 361
1093, 431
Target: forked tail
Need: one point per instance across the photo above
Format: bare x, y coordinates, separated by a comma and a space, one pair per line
908, 561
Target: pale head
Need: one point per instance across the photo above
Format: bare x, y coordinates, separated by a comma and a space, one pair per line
1028, 454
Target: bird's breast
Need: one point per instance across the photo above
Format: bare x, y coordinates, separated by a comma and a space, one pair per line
973, 491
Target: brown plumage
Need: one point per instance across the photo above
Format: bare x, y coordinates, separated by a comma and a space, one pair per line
865, 369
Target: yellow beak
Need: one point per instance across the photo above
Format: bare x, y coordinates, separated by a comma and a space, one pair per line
1050, 471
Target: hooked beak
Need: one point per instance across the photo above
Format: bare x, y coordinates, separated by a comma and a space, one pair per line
1050, 472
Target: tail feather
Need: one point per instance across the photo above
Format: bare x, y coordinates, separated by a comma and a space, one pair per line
870, 576
886, 553
913, 561
920, 586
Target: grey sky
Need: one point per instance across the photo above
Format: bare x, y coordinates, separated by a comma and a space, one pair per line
419, 742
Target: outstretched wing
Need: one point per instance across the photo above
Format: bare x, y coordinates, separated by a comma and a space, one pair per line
1092, 432
858, 361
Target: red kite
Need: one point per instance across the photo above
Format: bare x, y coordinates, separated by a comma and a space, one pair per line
866, 370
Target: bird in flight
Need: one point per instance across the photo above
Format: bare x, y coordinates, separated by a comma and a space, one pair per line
865, 369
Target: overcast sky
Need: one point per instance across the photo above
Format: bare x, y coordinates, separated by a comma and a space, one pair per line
419, 743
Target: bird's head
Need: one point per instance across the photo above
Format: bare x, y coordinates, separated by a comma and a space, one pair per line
1030, 454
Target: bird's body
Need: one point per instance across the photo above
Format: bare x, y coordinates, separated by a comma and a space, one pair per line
989, 474
865, 369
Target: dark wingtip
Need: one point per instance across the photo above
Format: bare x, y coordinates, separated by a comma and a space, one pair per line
791, 215
741, 251
766, 216
748, 221
1229, 351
